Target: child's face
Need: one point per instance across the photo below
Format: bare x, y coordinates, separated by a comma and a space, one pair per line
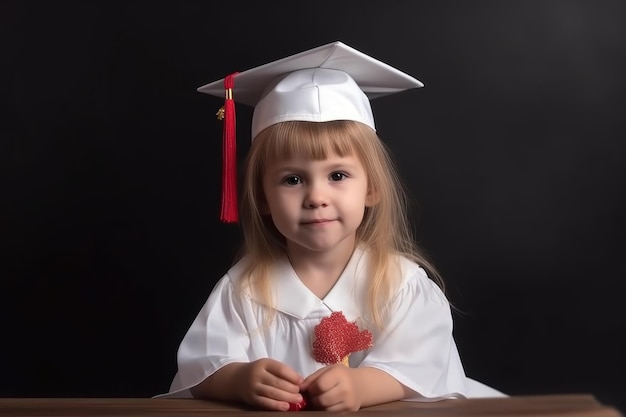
317, 205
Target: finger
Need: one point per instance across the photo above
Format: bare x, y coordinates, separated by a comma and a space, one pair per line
277, 394
271, 404
284, 372
340, 407
320, 381
335, 399
310, 381
280, 384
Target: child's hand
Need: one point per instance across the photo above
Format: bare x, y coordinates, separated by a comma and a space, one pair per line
269, 384
333, 388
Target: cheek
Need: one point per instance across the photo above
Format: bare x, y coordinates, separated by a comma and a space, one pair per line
275, 204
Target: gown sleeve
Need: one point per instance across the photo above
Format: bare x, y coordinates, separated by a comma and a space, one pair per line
228, 339
417, 347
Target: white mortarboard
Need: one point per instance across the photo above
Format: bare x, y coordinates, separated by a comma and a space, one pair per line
330, 82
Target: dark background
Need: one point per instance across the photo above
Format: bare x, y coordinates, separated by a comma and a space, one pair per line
110, 163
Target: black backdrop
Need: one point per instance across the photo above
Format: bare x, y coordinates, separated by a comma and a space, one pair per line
514, 153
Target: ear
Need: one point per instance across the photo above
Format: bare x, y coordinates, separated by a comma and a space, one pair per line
372, 197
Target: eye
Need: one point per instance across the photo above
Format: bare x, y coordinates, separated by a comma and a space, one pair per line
292, 180
338, 176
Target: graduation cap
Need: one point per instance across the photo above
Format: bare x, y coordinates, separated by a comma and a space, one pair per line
329, 82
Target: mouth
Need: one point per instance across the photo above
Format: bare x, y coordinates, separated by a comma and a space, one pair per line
316, 222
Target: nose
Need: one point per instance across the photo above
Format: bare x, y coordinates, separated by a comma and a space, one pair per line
316, 195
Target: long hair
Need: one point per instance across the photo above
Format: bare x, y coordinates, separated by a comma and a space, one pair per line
385, 231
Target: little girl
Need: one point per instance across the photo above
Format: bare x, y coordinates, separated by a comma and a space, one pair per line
331, 306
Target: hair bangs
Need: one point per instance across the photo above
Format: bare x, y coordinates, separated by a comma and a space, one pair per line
313, 140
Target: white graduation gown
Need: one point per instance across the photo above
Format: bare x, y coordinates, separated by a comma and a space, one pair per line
416, 347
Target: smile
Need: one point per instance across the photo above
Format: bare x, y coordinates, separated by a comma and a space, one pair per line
317, 222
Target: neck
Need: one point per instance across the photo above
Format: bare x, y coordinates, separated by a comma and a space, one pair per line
320, 270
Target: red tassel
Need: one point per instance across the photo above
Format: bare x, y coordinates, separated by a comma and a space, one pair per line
229, 213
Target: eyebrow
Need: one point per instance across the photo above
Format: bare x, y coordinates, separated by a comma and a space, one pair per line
286, 169
332, 166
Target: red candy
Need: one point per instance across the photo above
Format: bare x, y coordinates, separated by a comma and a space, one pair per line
297, 406
336, 338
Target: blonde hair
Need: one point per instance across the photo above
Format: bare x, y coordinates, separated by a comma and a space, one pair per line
385, 230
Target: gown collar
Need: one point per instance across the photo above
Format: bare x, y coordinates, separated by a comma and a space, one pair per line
348, 294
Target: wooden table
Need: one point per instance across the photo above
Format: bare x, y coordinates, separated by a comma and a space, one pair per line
518, 406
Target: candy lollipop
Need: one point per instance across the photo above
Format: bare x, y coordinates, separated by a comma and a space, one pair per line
336, 338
